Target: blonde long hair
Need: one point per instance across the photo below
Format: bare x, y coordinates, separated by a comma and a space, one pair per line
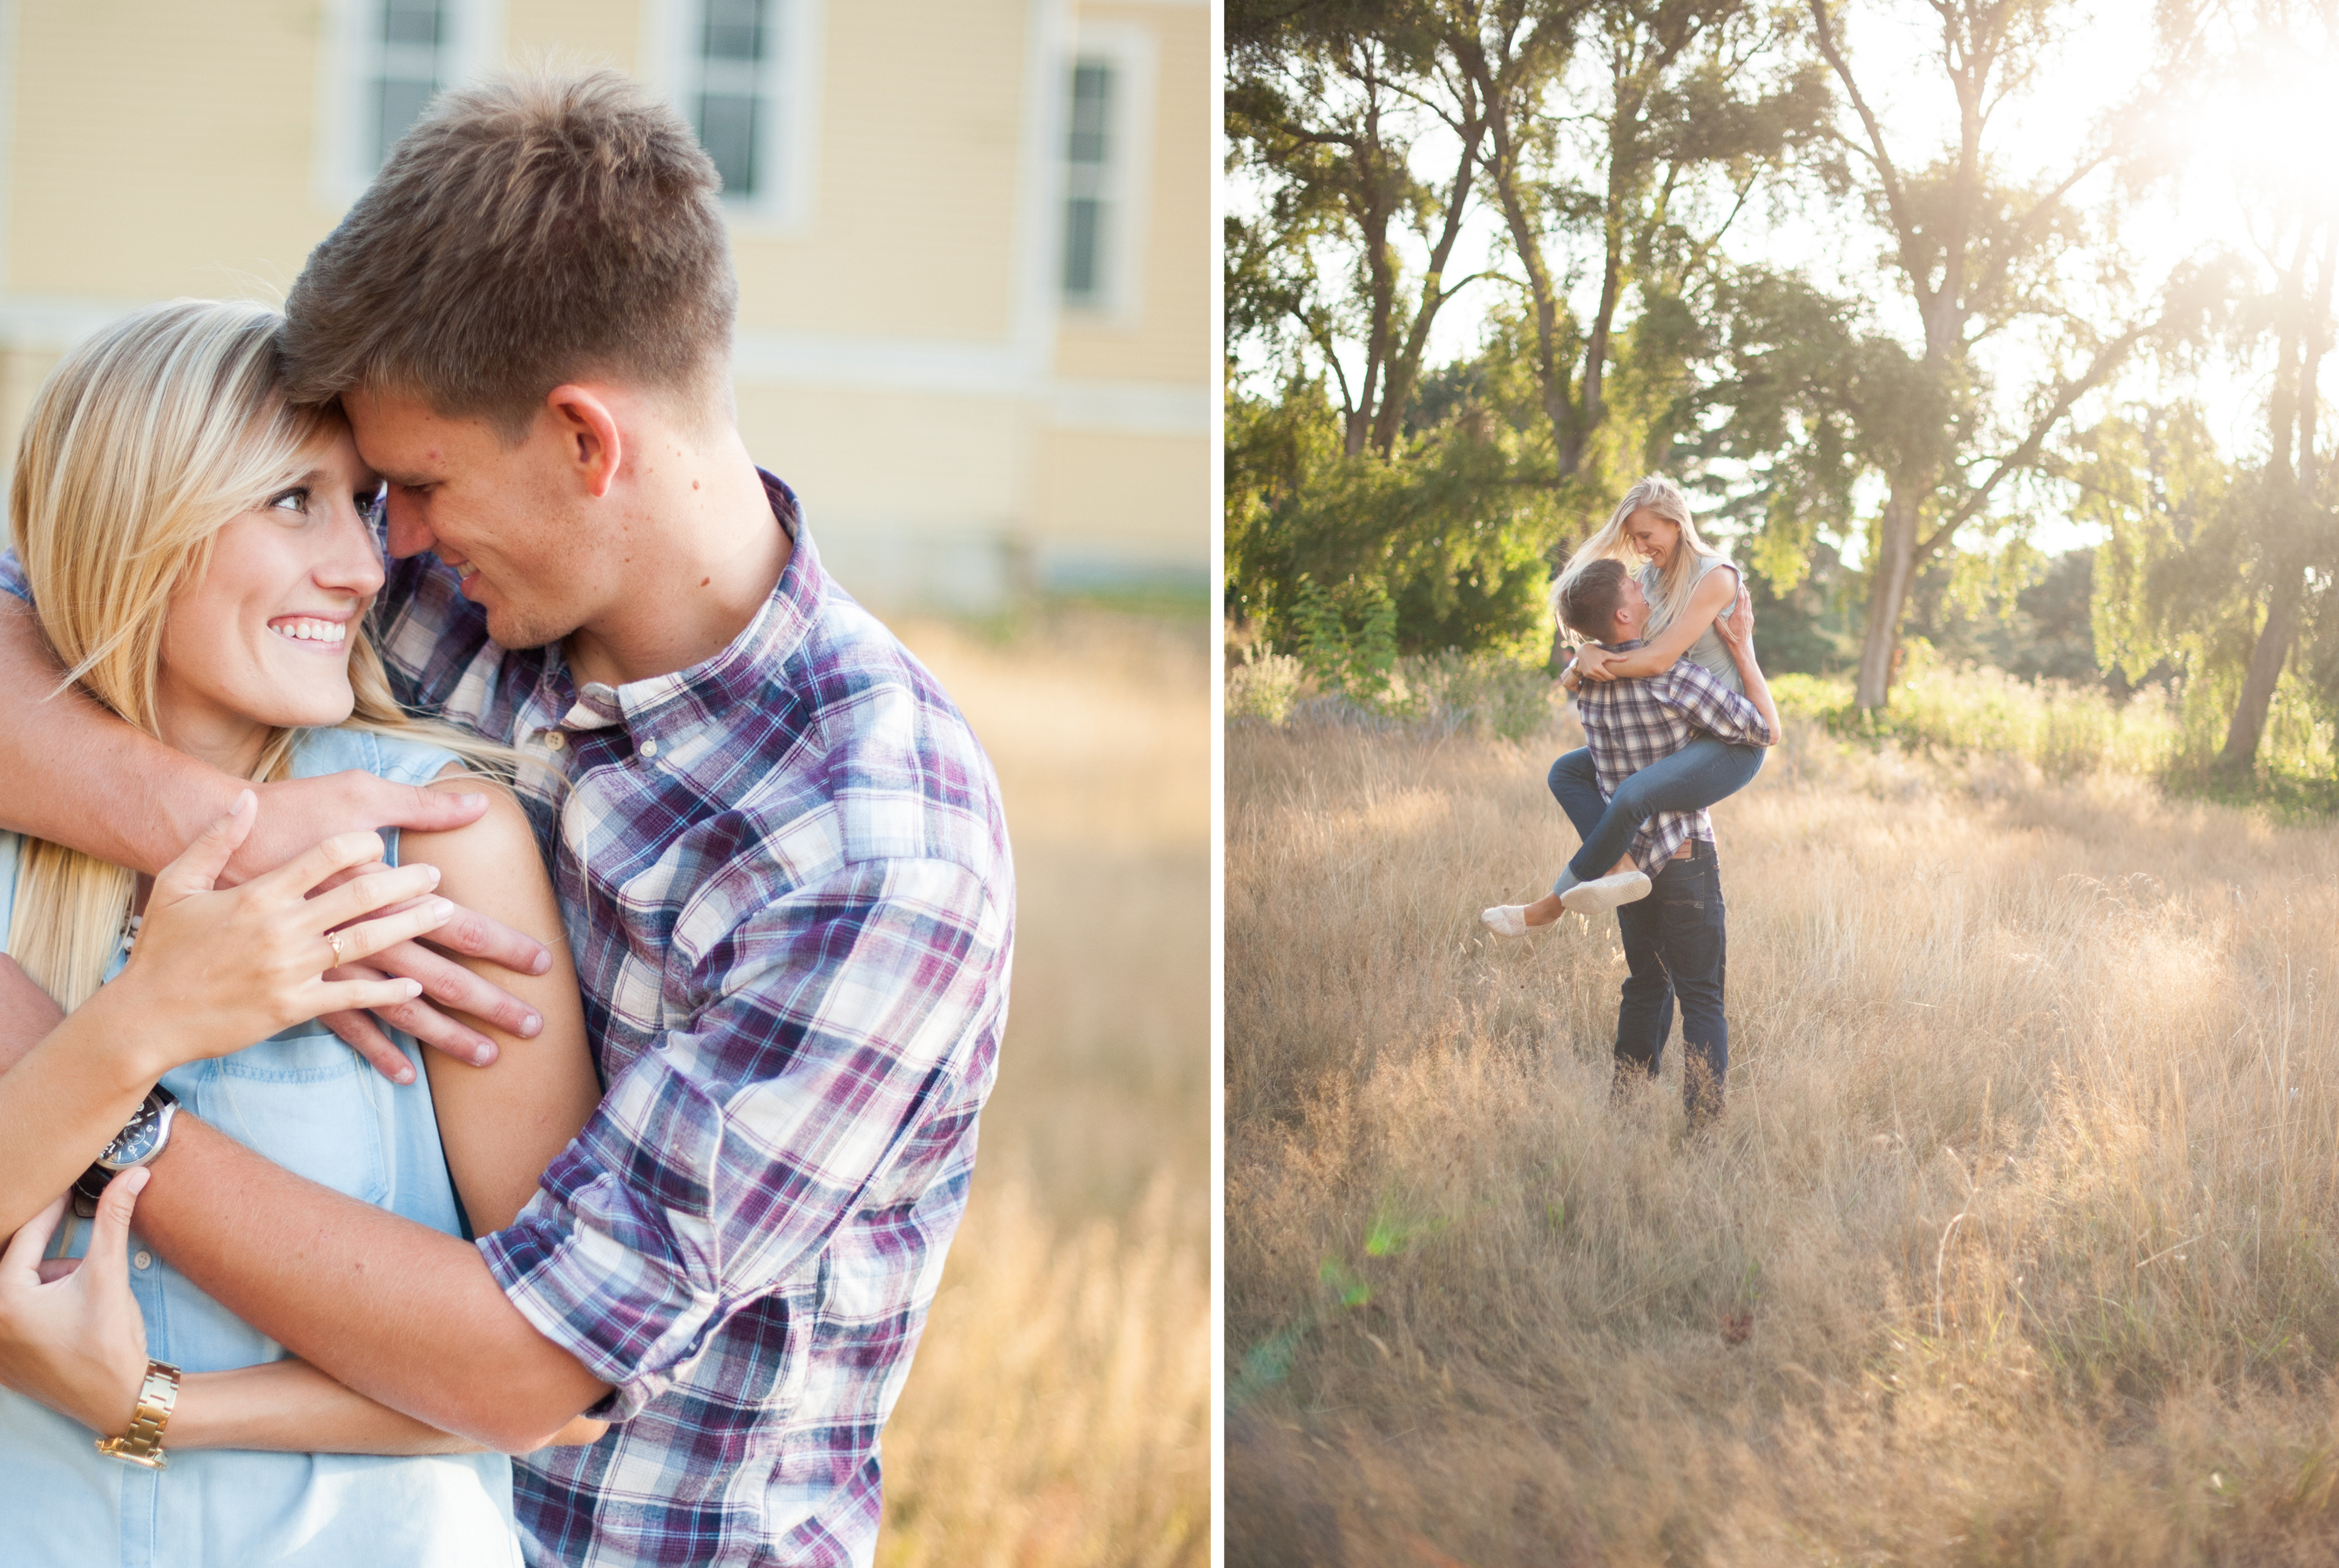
1677, 583
141, 446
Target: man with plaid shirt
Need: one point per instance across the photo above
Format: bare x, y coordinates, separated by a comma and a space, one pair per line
779, 851
1670, 912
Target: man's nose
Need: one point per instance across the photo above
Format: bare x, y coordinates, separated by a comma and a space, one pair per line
409, 535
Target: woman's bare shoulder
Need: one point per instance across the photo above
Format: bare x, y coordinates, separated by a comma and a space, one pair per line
499, 842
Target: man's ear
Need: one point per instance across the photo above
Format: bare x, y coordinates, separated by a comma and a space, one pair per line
596, 447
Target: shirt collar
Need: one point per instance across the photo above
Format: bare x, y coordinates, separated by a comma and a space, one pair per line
661, 705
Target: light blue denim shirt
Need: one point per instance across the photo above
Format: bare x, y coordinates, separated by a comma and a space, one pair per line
309, 1103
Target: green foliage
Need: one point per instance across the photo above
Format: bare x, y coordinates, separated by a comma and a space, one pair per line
2181, 581
1482, 693
1348, 639
1446, 531
2064, 730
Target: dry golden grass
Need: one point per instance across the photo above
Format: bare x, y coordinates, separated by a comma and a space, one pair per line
2016, 1244
1058, 1410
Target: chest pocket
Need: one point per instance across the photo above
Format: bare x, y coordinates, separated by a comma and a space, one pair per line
309, 1103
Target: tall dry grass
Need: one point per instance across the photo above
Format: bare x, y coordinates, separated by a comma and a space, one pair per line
2020, 1242
1058, 1410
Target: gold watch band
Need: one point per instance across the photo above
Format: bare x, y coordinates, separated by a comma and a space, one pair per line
157, 1396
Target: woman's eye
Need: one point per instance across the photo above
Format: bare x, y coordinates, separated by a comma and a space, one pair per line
295, 499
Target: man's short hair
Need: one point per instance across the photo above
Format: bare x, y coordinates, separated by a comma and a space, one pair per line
1590, 596
529, 231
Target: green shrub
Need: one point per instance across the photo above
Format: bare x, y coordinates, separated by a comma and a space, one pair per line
1482, 692
2062, 728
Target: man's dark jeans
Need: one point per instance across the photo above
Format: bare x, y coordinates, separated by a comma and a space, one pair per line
1675, 944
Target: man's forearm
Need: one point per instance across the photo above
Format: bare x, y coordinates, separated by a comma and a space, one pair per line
399, 1312
79, 776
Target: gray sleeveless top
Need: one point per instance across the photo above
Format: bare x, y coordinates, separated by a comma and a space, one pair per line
1708, 649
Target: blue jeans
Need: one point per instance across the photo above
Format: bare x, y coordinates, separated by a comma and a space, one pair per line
1700, 774
1676, 945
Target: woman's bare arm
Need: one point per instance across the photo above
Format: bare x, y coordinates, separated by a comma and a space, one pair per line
501, 1125
1713, 598
1736, 630
290, 1407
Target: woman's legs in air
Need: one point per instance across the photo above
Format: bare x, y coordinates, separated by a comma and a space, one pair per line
1701, 772
1698, 776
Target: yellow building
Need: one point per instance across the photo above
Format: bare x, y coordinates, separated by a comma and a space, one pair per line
971, 235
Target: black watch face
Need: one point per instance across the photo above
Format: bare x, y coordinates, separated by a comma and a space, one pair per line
139, 1140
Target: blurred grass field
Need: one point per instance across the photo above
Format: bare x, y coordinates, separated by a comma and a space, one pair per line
2018, 1244
1057, 1412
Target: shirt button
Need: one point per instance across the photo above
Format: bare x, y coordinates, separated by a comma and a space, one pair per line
649, 748
142, 1259
554, 739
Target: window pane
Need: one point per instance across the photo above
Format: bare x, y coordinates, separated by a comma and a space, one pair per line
734, 30
726, 129
413, 22
1083, 233
398, 104
1092, 109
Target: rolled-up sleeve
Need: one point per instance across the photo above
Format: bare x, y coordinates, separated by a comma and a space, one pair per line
1715, 708
853, 1014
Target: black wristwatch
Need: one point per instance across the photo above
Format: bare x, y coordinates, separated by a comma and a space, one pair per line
142, 1137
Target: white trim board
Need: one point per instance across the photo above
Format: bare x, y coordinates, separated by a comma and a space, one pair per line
56, 323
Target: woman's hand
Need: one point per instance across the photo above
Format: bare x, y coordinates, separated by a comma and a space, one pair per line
78, 1345
1736, 629
215, 969
1591, 662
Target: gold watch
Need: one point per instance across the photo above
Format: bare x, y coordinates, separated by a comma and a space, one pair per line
157, 1396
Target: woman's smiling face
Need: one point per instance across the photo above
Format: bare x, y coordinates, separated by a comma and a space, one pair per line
1652, 535
261, 641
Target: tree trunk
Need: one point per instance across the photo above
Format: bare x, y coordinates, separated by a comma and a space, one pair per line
2267, 659
1888, 591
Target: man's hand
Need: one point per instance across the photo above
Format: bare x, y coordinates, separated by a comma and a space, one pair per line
78, 1345
299, 813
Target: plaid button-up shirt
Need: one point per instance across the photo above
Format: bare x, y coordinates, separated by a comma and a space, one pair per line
1629, 724
784, 876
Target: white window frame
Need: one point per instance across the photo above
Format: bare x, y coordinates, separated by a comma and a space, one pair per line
1130, 52
346, 68
788, 139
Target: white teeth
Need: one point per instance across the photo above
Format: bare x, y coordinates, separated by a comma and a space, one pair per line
306, 630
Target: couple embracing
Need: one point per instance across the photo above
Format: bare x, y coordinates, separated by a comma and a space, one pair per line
1676, 714
650, 1181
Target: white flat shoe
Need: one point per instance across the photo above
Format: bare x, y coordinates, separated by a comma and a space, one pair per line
1506, 919
1605, 893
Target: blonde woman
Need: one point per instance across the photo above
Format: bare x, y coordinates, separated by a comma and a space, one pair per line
201, 560
1689, 586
